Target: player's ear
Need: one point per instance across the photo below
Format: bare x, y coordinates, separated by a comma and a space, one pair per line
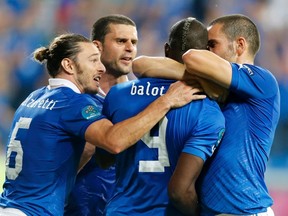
67, 65
167, 49
98, 44
241, 45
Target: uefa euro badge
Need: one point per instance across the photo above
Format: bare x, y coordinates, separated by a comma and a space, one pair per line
90, 112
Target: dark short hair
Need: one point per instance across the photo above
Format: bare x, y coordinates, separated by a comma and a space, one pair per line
238, 25
188, 33
63, 46
101, 26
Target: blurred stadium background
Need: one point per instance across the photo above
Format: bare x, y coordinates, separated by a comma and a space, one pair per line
27, 24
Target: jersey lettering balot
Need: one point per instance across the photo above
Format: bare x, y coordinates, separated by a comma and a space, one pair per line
143, 170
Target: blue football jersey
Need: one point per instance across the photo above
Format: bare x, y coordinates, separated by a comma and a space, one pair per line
93, 186
46, 141
143, 170
233, 181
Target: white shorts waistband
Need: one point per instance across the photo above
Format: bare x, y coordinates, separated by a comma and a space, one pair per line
11, 212
269, 212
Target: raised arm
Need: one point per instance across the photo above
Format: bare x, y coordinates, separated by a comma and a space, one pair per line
208, 65
162, 67
146, 66
118, 137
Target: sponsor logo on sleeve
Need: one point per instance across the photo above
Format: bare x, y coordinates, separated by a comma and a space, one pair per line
90, 112
220, 136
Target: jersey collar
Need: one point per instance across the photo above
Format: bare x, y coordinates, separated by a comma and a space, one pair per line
58, 82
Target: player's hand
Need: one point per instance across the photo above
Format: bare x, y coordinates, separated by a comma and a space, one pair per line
180, 94
211, 89
214, 91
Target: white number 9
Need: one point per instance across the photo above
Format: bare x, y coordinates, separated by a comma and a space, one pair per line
158, 142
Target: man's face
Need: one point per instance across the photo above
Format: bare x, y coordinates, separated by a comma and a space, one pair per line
89, 68
219, 44
119, 49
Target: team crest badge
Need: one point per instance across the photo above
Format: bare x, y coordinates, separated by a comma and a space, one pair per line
90, 112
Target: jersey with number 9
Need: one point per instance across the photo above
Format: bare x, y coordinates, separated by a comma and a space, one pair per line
143, 171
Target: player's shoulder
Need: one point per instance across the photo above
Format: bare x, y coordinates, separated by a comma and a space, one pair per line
77, 98
206, 102
98, 99
254, 78
207, 107
38, 92
253, 70
85, 104
203, 107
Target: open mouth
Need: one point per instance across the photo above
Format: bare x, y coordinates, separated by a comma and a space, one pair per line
126, 60
97, 80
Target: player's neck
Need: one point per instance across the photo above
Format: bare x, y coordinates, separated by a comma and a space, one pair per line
107, 81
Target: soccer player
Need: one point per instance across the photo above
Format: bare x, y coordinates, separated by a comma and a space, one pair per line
180, 142
116, 37
232, 182
51, 126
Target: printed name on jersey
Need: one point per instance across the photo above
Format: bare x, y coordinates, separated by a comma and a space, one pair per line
250, 72
39, 103
146, 89
90, 112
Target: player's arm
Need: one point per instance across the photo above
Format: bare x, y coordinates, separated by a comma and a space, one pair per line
118, 137
208, 65
88, 152
181, 188
162, 67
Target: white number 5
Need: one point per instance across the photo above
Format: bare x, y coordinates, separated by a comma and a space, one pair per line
158, 142
14, 158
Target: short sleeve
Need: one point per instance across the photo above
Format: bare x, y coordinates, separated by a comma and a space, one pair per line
207, 133
80, 113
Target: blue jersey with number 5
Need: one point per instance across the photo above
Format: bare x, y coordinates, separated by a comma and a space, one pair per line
46, 142
143, 171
